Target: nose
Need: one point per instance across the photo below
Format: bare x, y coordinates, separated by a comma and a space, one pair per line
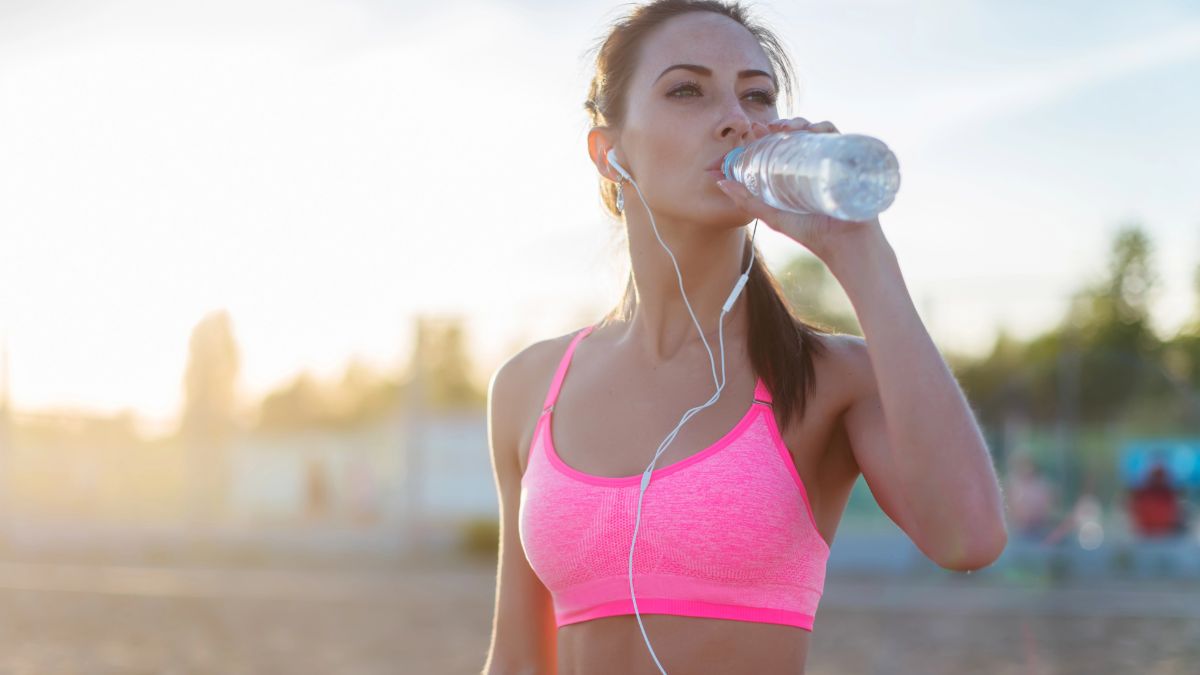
734, 122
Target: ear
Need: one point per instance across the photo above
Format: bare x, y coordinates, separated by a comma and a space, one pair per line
600, 141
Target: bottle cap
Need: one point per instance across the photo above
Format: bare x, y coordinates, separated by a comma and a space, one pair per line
729, 159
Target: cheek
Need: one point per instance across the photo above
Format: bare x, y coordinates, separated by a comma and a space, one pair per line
672, 164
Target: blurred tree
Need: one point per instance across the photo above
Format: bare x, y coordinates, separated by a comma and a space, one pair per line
208, 420
1181, 356
998, 383
1109, 325
1104, 350
364, 394
816, 296
1123, 296
1193, 325
297, 405
440, 360
360, 396
1101, 370
210, 380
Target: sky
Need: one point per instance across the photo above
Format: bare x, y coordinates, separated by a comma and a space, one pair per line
325, 171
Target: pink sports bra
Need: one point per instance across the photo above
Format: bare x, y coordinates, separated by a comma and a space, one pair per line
726, 533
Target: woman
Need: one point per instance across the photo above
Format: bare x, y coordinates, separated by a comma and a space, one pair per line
733, 529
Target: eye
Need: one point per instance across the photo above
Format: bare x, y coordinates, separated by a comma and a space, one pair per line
765, 97
687, 86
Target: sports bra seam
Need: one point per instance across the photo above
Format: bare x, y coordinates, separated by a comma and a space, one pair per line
692, 577
785, 456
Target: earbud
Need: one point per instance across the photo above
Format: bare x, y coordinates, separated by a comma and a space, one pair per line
612, 161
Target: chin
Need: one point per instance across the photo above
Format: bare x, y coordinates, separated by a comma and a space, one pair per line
723, 215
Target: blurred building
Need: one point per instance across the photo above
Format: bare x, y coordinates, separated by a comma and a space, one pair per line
5, 423
410, 476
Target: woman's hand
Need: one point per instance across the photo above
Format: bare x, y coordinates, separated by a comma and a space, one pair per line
815, 231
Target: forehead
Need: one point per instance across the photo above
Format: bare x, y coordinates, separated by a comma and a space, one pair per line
702, 38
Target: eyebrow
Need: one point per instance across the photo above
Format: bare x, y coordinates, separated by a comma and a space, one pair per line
707, 72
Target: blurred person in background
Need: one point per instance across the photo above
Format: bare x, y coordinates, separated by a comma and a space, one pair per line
1155, 506
1031, 499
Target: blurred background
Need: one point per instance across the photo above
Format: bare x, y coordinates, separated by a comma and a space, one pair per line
259, 259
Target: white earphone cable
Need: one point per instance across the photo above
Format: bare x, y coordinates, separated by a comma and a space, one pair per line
737, 289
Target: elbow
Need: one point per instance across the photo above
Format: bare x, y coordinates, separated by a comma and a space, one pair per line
980, 552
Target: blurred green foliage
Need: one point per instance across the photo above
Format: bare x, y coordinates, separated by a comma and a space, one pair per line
1072, 394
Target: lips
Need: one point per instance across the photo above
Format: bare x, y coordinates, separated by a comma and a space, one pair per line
716, 164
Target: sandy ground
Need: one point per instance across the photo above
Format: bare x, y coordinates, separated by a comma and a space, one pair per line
386, 617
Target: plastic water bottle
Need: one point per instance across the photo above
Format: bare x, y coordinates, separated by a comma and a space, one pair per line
844, 176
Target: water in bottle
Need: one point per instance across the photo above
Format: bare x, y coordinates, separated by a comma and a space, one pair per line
844, 176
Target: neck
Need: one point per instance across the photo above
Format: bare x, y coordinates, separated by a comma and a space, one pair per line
710, 261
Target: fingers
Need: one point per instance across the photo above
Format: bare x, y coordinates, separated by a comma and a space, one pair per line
738, 193
745, 200
799, 123
758, 129
789, 125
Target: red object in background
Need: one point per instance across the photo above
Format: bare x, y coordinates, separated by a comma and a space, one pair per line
1155, 505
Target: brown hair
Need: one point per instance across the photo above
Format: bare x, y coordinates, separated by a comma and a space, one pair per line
781, 345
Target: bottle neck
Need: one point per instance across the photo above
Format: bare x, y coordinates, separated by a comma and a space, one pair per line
730, 158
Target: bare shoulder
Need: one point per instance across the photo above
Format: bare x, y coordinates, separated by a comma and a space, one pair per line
854, 362
849, 365
518, 386
841, 367
533, 367
818, 422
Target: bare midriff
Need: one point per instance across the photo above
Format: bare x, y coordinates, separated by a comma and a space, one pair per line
683, 644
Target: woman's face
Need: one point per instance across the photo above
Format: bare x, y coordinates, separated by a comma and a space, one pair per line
681, 121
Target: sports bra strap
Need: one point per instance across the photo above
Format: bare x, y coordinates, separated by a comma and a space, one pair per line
761, 393
561, 373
